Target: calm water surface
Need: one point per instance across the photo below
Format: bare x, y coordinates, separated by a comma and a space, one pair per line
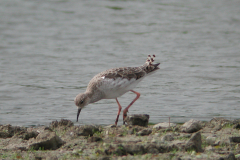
50, 49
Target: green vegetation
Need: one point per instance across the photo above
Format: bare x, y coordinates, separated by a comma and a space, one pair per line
114, 7
151, 124
3, 155
16, 156
182, 138
41, 148
123, 141
228, 125
98, 133
191, 151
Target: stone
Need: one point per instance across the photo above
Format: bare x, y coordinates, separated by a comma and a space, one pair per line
195, 143
154, 140
46, 140
7, 131
237, 156
27, 135
177, 145
130, 131
62, 123
237, 126
120, 142
38, 158
191, 126
51, 158
209, 148
223, 142
217, 123
144, 132
186, 135
164, 125
94, 139
137, 119
87, 130
134, 129
236, 121
234, 139
211, 140
110, 126
231, 156
152, 148
163, 148
16, 144
104, 158
218, 142
220, 121
217, 128
134, 149
5, 135
167, 137
99, 152
117, 149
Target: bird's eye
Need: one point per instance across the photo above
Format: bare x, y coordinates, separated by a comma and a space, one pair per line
81, 102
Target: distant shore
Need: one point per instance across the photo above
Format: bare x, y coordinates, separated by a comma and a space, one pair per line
217, 139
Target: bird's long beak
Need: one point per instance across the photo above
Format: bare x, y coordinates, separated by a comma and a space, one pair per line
78, 113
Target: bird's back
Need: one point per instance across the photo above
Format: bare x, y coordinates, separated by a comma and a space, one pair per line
113, 83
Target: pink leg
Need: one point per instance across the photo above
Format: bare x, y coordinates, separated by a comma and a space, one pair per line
119, 111
126, 109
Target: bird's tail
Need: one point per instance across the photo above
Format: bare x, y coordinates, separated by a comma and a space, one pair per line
149, 66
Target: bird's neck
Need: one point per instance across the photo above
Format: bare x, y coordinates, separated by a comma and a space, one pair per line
94, 95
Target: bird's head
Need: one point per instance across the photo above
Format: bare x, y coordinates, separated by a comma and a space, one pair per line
81, 101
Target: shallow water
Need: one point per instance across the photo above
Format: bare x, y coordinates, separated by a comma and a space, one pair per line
50, 49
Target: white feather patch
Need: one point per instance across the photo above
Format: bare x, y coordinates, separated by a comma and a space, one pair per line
114, 88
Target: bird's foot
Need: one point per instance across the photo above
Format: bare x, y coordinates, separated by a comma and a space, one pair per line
124, 117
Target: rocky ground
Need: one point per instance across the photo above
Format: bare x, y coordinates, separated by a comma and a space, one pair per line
218, 139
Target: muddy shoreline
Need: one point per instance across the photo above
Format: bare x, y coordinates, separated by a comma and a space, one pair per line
217, 139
